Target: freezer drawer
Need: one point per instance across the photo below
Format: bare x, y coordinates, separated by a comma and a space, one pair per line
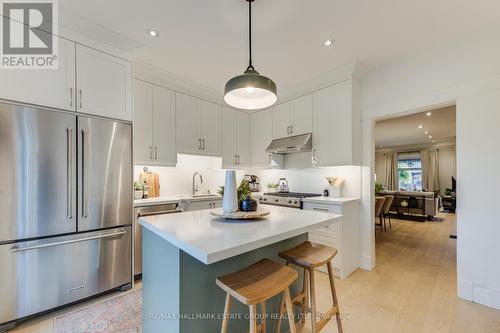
42, 274
105, 173
37, 172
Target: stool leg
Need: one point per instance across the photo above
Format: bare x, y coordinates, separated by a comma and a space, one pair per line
334, 296
305, 293
289, 309
263, 320
313, 300
253, 318
227, 308
282, 311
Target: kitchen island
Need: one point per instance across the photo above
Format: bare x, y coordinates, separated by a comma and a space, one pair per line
184, 253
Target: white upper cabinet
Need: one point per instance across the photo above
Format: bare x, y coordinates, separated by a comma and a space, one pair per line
103, 84
45, 87
293, 117
211, 128
302, 115
164, 150
337, 125
235, 139
199, 129
260, 137
154, 125
282, 120
143, 122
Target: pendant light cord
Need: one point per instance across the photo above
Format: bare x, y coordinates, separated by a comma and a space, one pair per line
250, 67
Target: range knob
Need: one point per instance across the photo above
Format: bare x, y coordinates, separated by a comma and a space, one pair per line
265, 199
276, 200
289, 201
295, 202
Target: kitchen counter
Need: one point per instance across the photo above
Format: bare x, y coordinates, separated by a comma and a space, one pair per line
330, 200
210, 239
184, 253
173, 199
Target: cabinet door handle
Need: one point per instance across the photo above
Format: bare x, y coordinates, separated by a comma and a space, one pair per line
69, 173
71, 96
291, 129
288, 130
150, 152
156, 152
199, 144
203, 144
321, 209
80, 93
238, 159
269, 159
314, 158
235, 160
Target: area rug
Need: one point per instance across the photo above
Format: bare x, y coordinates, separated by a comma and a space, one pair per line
121, 314
440, 217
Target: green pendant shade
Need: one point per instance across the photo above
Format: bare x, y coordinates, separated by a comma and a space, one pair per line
250, 91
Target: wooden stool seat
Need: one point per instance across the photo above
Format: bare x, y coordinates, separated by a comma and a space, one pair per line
309, 255
255, 285
259, 282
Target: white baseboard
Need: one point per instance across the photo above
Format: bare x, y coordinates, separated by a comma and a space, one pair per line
366, 262
478, 294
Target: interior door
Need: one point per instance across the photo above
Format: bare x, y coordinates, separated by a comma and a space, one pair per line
163, 123
103, 83
143, 120
211, 114
37, 172
105, 174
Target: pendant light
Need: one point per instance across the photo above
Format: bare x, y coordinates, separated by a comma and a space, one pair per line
250, 91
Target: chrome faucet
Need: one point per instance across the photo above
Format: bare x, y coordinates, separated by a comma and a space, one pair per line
195, 187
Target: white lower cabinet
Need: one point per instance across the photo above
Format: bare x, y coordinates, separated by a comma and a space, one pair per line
235, 139
154, 125
343, 235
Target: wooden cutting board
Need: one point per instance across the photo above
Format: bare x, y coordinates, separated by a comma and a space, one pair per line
153, 182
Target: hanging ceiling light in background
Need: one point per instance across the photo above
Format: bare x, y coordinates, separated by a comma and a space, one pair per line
250, 91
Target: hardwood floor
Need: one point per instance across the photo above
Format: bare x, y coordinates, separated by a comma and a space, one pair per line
413, 288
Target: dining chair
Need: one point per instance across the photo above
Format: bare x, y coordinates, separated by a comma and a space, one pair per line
386, 208
379, 204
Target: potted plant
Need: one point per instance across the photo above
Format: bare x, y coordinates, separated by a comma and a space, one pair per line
272, 187
245, 201
138, 190
379, 188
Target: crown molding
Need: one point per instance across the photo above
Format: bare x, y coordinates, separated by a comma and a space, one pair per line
83, 31
356, 69
161, 77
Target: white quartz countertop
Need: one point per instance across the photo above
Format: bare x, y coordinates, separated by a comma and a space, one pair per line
327, 200
173, 199
210, 239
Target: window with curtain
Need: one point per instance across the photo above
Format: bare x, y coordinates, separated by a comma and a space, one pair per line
409, 172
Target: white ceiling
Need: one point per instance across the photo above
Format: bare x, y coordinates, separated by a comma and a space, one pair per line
206, 41
404, 131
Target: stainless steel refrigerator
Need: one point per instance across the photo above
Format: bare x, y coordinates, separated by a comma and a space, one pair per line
65, 209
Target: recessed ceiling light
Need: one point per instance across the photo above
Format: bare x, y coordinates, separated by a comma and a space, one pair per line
420, 126
430, 136
329, 42
426, 132
429, 114
153, 33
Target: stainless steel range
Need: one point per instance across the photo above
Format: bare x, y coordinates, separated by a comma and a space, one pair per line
288, 199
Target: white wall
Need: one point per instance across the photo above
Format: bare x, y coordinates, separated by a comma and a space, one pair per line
468, 75
178, 180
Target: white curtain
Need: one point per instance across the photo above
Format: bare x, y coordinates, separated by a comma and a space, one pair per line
391, 171
430, 170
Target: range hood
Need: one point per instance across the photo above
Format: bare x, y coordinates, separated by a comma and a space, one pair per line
292, 144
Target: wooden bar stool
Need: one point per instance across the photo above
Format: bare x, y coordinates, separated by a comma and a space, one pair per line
255, 285
309, 256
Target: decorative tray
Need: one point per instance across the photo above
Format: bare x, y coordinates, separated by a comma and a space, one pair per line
239, 215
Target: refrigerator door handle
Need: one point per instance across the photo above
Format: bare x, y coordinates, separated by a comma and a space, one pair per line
84, 176
84, 239
69, 173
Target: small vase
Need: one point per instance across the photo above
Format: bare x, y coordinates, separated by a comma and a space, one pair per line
230, 198
248, 205
138, 195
